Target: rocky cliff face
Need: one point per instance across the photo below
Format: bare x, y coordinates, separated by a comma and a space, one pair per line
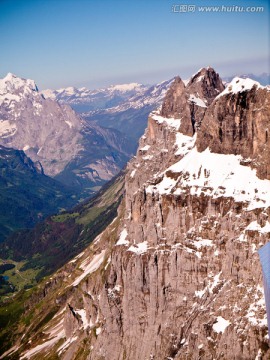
243, 128
190, 102
177, 274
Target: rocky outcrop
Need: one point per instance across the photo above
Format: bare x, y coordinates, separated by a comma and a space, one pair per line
207, 84
177, 274
175, 102
190, 102
238, 123
35, 125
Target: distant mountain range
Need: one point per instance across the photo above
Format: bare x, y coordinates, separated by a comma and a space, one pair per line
84, 100
78, 153
41, 137
121, 107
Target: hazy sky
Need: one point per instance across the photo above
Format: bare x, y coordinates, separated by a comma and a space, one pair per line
96, 43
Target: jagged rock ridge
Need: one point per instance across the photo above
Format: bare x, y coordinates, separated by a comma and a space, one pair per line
191, 101
176, 275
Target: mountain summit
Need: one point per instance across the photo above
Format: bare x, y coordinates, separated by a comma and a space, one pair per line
207, 83
190, 101
16, 86
40, 127
238, 124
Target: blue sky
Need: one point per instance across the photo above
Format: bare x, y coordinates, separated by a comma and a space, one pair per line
96, 43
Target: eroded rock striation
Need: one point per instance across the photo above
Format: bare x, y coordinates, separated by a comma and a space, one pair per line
177, 274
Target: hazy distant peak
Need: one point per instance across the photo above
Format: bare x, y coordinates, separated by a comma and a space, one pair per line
126, 87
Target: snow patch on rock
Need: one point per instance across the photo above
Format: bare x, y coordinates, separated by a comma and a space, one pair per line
90, 267
123, 238
196, 100
171, 122
139, 248
7, 128
238, 85
220, 325
254, 226
217, 175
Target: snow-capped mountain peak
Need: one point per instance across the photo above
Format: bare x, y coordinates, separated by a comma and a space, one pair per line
70, 90
14, 88
11, 83
49, 94
126, 87
238, 85
31, 123
200, 75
